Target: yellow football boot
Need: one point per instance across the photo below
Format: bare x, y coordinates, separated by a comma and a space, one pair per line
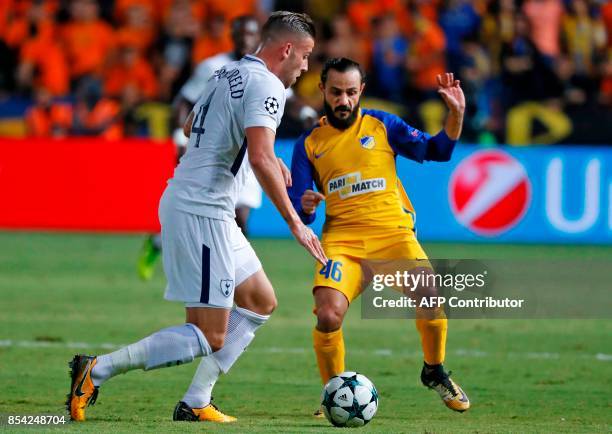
209, 413
452, 395
82, 390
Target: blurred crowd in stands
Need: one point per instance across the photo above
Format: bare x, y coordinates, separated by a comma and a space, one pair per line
534, 71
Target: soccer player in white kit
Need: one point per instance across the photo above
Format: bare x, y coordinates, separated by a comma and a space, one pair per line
208, 262
245, 38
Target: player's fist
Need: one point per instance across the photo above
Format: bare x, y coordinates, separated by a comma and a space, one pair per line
310, 201
286, 172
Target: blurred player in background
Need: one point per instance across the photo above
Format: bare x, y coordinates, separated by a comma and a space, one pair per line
207, 260
245, 38
350, 156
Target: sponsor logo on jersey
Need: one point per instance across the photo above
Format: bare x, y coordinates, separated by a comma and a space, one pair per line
367, 142
489, 192
352, 185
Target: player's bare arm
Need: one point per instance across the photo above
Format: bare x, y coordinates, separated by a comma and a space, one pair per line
267, 170
187, 126
452, 94
310, 200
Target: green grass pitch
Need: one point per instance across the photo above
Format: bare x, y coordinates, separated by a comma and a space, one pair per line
61, 294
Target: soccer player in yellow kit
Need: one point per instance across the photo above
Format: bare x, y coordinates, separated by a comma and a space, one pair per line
350, 157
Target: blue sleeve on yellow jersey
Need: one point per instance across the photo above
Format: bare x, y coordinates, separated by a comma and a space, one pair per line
412, 143
301, 176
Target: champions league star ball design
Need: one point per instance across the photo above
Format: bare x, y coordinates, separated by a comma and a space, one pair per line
349, 400
489, 192
271, 105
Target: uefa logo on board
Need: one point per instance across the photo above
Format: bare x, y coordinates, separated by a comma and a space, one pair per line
489, 192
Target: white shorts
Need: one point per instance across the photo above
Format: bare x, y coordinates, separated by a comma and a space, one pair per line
204, 258
250, 194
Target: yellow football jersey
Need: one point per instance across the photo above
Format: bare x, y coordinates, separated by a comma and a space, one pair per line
355, 170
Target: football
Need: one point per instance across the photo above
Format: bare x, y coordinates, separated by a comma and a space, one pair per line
349, 400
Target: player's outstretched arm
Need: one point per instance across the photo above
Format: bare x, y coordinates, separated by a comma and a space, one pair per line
268, 172
452, 94
419, 146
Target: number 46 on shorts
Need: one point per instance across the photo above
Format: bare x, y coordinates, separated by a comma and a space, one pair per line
333, 270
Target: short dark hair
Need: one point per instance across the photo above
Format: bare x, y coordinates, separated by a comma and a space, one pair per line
341, 64
290, 22
241, 20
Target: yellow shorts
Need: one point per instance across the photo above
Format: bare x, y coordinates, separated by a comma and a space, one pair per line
352, 263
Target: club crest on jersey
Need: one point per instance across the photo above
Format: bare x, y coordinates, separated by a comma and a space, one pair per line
227, 287
367, 142
271, 105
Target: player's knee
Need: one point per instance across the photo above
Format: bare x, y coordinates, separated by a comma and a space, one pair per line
271, 306
329, 318
215, 340
262, 306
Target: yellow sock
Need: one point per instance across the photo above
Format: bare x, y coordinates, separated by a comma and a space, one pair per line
329, 348
433, 338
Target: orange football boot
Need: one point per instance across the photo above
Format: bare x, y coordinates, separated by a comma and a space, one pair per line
82, 390
209, 413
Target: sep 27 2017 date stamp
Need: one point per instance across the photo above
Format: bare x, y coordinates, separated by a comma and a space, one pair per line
33, 420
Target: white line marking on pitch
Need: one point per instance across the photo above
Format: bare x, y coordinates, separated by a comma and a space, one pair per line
383, 352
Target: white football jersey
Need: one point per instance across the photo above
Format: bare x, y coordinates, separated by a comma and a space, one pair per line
193, 88
209, 177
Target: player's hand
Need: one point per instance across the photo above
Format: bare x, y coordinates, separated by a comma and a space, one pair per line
307, 238
450, 91
285, 171
310, 200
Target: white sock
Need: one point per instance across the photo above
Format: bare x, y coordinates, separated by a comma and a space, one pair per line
240, 332
168, 347
204, 379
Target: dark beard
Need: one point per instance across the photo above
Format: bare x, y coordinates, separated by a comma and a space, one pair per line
340, 124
